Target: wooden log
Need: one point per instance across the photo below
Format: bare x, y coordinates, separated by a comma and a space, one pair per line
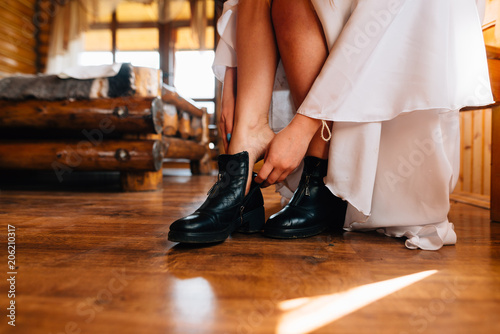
185, 129
147, 81
205, 125
176, 148
495, 166
202, 166
136, 115
92, 154
171, 124
169, 95
141, 181
197, 129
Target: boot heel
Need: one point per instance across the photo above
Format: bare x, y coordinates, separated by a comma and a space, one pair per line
253, 221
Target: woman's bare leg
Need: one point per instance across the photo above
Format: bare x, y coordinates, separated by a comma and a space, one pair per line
257, 56
303, 49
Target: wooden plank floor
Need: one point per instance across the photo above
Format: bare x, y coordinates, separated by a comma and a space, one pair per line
90, 260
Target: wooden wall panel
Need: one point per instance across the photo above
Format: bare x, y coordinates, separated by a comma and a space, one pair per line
24, 35
466, 151
477, 185
475, 152
495, 164
487, 152
17, 44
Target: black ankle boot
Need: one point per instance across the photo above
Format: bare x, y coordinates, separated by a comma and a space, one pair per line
226, 209
312, 208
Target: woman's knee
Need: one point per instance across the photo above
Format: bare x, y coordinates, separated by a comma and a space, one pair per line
254, 4
288, 14
279, 11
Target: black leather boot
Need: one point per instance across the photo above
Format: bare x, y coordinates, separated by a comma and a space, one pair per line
226, 209
312, 208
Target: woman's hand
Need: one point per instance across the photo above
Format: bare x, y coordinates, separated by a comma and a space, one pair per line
287, 149
228, 104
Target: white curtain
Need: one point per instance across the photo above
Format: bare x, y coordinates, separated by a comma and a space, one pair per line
168, 10
66, 37
72, 20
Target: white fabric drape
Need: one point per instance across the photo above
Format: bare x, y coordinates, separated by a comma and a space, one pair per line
66, 41
396, 76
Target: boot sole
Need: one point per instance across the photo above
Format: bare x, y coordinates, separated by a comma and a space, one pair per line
250, 222
294, 233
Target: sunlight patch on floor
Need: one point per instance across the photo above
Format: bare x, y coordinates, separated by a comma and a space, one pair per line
304, 315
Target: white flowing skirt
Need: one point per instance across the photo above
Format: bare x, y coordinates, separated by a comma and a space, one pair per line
397, 73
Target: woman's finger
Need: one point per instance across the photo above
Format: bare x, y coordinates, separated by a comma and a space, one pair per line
264, 172
283, 176
273, 177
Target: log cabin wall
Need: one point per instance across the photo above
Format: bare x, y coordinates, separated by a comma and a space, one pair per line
474, 184
24, 35
475, 164
17, 36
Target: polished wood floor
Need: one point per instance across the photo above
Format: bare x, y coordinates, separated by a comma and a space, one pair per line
93, 260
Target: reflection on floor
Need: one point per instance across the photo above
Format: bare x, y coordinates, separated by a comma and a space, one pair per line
92, 260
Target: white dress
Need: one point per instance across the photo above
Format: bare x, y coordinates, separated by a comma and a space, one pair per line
397, 73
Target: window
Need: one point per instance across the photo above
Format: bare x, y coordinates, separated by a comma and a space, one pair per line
135, 39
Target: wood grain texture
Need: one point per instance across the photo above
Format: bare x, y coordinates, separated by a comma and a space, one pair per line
17, 51
128, 114
99, 261
475, 152
487, 152
466, 152
177, 148
141, 181
92, 153
495, 166
170, 95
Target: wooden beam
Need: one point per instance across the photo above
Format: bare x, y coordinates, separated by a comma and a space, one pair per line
167, 52
130, 114
114, 24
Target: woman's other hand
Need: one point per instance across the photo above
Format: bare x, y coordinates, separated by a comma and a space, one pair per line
287, 149
228, 104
